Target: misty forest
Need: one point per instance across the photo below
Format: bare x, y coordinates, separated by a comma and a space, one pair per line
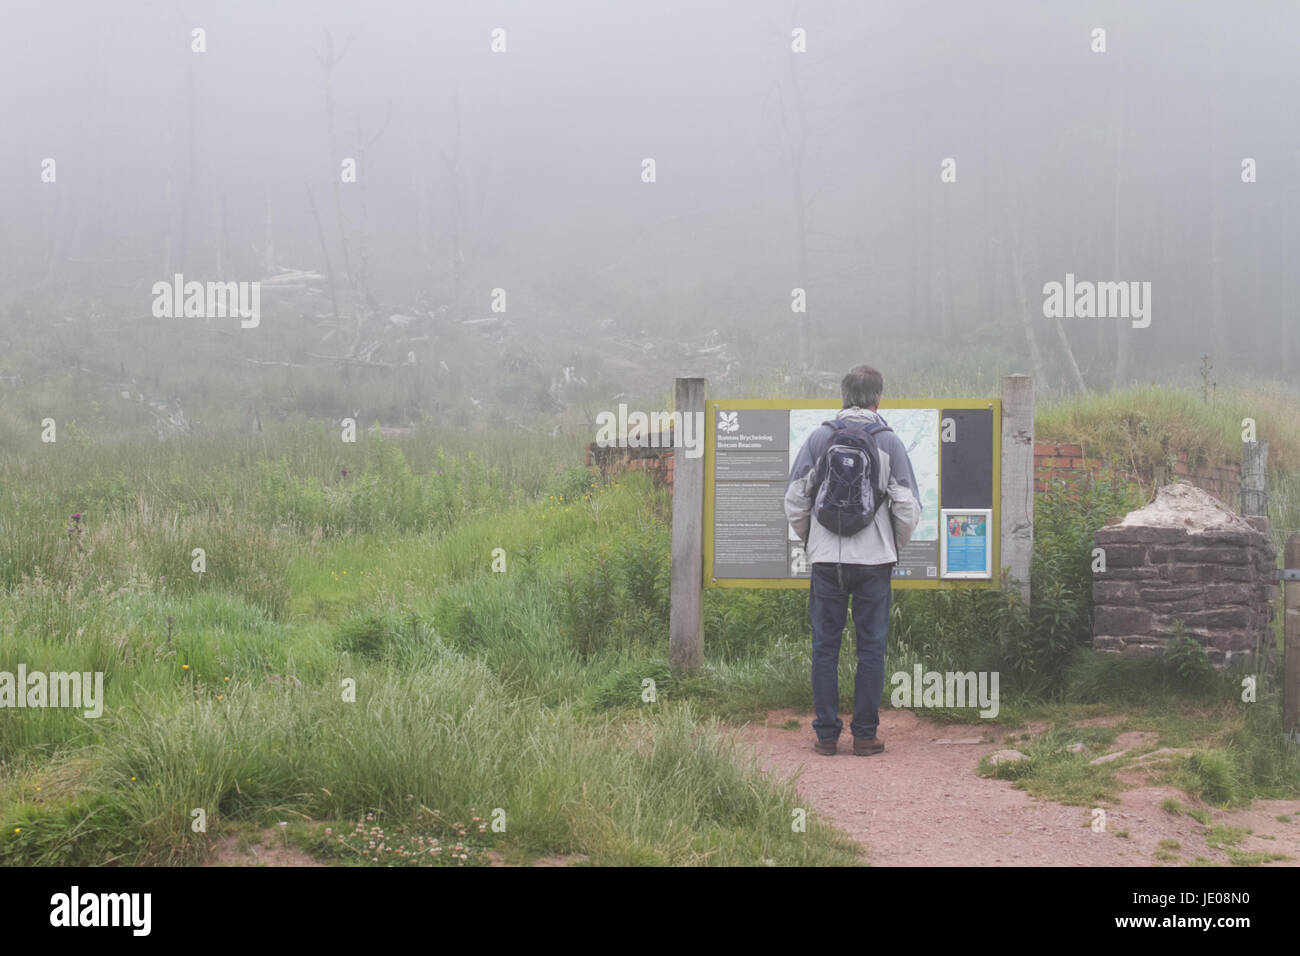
470, 230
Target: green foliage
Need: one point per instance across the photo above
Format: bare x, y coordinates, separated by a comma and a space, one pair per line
622, 687
740, 623
1213, 777
590, 601
953, 630
571, 484
1187, 659
1055, 772
1092, 678
222, 689
366, 634
1043, 639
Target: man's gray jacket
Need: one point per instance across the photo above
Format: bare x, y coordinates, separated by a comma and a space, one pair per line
874, 544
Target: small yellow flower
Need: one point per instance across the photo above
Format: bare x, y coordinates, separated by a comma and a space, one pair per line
133, 778
220, 697
18, 829
185, 667
227, 680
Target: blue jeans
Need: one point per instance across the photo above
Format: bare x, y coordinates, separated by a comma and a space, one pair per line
828, 605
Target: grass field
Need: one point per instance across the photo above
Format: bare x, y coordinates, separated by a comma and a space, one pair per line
493, 709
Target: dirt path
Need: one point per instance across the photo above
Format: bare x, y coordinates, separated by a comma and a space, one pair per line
921, 803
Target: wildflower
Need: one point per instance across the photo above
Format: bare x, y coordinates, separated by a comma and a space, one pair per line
77, 516
18, 829
185, 667
133, 778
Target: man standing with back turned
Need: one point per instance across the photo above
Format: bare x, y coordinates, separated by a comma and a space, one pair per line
852, 500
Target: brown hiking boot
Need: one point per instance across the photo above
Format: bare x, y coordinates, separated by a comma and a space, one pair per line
827, 748
865, 747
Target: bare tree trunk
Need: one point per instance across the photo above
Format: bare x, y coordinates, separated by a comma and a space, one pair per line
169, 233
1287, 308
452, 162
1218, 336
268, 245
329, 61
363, 248
223, 239
56, 213
1026, 314
325, 251
187, 197
1069, 355
948, 308
420, 185
798, 150
1123, 343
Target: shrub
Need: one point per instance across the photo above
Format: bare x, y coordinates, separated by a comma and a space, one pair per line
1042, 639
590, 603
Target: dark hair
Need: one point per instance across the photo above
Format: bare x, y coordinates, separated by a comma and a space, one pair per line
862, 387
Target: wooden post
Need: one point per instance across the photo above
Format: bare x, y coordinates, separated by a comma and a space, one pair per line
1017, 511
1254, 478
1291, 644
686, 609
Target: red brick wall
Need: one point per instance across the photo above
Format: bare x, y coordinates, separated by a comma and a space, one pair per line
1051, 462
612, 461
1068, 462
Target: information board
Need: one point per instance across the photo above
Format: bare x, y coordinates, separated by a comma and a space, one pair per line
750, 445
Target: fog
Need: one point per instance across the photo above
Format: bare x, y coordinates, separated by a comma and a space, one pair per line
522, 170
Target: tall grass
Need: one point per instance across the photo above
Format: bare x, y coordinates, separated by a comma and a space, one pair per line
1146, 425
524, 689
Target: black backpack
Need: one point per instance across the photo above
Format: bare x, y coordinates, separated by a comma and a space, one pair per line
847, 478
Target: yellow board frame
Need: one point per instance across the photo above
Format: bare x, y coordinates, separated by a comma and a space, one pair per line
710, 445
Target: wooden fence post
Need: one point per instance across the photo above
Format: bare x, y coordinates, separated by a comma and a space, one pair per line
1291, 643
1017, 511
686, 593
